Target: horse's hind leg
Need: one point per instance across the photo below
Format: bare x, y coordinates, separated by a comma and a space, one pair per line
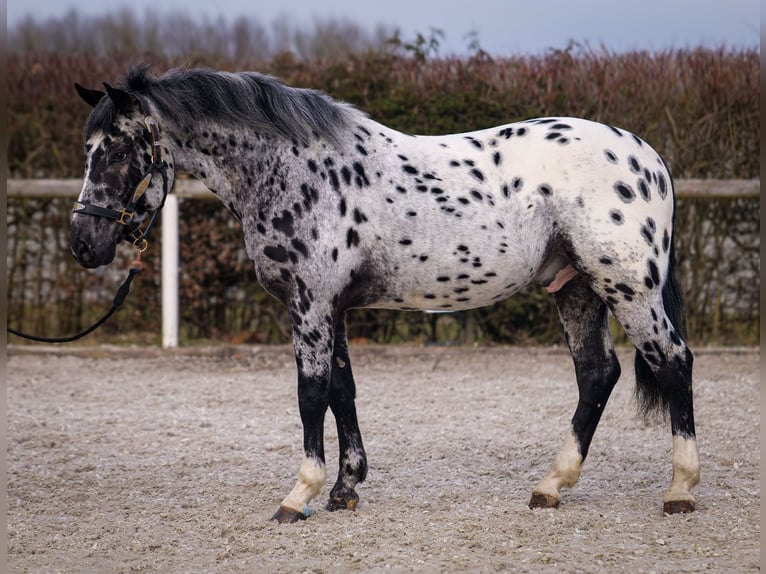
584, 317
352, 463
664, 379
651, 312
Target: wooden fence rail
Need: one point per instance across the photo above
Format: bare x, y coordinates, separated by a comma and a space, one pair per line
193, 189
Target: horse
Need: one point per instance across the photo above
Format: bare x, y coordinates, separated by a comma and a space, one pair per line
341, 212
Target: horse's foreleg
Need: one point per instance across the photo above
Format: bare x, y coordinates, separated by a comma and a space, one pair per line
584, 317
352, 464
313, 342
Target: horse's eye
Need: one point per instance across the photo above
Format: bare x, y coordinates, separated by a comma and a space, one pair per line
118, 156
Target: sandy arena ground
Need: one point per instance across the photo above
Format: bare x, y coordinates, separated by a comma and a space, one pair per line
139, 460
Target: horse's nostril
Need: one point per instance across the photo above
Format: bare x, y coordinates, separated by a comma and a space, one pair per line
82, 252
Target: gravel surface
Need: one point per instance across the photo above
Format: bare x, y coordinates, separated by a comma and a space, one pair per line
141, 460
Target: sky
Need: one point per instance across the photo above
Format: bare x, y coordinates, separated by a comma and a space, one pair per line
503, 27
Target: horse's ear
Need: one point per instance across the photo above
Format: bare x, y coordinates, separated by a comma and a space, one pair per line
91, 97
123, 101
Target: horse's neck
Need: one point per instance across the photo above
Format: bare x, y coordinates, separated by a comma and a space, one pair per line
226, 159
232, 162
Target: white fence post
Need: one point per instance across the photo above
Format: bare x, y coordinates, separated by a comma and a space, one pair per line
170, 319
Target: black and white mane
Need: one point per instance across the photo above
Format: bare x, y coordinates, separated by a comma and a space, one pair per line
237, 100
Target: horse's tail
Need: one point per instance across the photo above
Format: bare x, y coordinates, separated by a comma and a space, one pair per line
651, 396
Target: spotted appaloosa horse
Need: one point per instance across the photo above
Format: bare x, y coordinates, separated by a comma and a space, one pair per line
341, 212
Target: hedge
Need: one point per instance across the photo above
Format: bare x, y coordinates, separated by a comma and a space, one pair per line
699, 108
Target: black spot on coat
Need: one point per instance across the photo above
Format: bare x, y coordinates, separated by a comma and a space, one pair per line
352, 238
334, 181
284, 224
275, 252
361, 176
346, 175
647, 234
624, 289
663, 186
624, 191
300, 247
477, 174
654, 271
359, 217
643, 189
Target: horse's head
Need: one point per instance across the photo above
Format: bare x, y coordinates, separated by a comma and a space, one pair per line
127, 175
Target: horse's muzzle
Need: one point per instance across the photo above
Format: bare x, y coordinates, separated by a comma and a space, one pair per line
90, 253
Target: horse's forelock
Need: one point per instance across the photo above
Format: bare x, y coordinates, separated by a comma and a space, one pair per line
100, 119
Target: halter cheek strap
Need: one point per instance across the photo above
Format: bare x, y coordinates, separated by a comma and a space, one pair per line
125, 216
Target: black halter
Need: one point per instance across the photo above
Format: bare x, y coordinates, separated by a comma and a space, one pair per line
134, 233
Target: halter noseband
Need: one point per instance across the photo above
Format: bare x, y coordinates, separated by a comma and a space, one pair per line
125, 216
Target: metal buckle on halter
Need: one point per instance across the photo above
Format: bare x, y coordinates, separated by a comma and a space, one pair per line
124, 216
141, 244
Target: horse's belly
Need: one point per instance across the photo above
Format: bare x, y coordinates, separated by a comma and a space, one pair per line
475, 281
437, 303
458, 264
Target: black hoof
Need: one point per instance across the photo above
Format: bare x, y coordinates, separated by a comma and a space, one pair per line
678, 507
345, 502
288, 516
540, 500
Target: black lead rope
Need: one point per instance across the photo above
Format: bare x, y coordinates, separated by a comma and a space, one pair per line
122, 292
